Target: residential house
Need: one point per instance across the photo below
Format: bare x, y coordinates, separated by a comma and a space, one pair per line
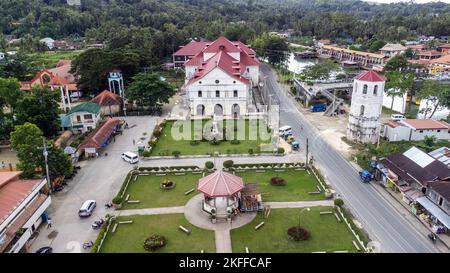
442, 154
390, 50
416, 129
434, 208
187, 52
109, 102
84, 117
49, 42
424, 38
23, 205
444, 48
100, 137
220, 78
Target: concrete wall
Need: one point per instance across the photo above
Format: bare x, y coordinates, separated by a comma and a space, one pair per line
399, 102
92, 123
406, 133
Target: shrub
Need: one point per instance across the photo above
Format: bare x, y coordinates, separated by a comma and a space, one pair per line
146, 153
235, 142
250, 151
157, 133
117, 200
154, 242
298, 233
228, 164
277, 181
176, 153
338, 202
214, 142
194, 142
209, 165
280, 150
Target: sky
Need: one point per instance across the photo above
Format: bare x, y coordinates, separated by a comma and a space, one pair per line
417, 1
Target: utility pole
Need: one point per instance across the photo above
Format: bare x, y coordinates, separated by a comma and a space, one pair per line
307, 151
45, 153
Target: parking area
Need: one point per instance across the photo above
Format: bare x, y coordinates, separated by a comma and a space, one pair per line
98, 179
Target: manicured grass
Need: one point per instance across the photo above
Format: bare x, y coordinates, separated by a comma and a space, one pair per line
327, 234
299, 183
167, 143
146, 190
129, 238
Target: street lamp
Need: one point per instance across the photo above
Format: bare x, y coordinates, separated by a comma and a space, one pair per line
300, 213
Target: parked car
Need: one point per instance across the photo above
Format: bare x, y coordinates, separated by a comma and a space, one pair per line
397, 117
87, 208
45, 249
285, 130
318, 107
130, 157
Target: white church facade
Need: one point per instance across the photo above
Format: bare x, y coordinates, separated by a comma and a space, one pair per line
364, 121
219, 77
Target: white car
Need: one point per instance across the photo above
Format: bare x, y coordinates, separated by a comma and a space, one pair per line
87, 208
397, 117
130, 157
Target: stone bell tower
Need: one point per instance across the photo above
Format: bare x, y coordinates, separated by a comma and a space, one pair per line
364, 122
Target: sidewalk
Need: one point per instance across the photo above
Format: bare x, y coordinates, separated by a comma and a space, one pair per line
403, 208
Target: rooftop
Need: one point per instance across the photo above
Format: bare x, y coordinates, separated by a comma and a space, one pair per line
370, 76
220, 184
89, 107
425, 124
97, 138
393, 47
107, 98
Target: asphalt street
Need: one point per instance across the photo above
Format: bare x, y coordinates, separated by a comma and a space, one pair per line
387, 227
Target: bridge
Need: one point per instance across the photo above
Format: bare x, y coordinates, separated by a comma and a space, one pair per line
327, 89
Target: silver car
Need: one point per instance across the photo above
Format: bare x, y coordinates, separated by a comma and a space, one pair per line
87, 208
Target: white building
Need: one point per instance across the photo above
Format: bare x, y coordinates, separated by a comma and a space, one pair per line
416, 129
365, 110
49, 42
220, 78
390, 50
84, 117
22, 210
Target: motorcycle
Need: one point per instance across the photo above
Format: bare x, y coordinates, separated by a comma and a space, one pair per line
88, 244
433, 237
108, 205
98, 224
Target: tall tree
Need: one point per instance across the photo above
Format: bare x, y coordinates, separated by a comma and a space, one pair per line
437, 96
396, 63
9, 93
26, 140
321, 70
40, 107
272, 47
148, 91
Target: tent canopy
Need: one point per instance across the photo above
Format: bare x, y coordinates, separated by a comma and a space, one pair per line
220, 184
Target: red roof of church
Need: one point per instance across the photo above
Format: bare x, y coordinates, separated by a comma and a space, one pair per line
220, 184
370, 76
222, 43
107, 98
191, 49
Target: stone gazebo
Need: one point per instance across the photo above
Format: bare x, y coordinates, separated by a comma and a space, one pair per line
221, 194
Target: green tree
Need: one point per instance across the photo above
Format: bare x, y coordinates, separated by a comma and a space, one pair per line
272, 47
376, 45
9, 93
321, 70
59, 163
26, 140
148, 91
436, 94
91, 68
396, 63
398, 84
40, 107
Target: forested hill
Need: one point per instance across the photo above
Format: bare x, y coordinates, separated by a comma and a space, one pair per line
209, 18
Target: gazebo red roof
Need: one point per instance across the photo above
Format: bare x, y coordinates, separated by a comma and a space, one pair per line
107, 98
220, 184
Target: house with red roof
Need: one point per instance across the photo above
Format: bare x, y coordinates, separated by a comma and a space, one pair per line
23, 205
58, 79
416, 129
220, 77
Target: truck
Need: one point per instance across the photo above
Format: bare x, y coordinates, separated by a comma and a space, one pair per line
318, 107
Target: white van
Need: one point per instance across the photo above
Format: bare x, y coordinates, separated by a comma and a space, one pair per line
285, 130
397, 117
130, 157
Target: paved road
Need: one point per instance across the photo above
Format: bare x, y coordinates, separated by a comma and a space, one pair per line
383, 222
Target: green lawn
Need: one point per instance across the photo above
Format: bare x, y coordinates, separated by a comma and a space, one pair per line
129, 238
51, 58
327, 234
167, 144
146, 189
299, 183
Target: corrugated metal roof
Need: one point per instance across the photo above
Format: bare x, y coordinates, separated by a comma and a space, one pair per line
419, 157
437, 212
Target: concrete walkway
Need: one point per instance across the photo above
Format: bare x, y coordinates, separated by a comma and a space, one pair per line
223, 241
300, 204
150, 211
